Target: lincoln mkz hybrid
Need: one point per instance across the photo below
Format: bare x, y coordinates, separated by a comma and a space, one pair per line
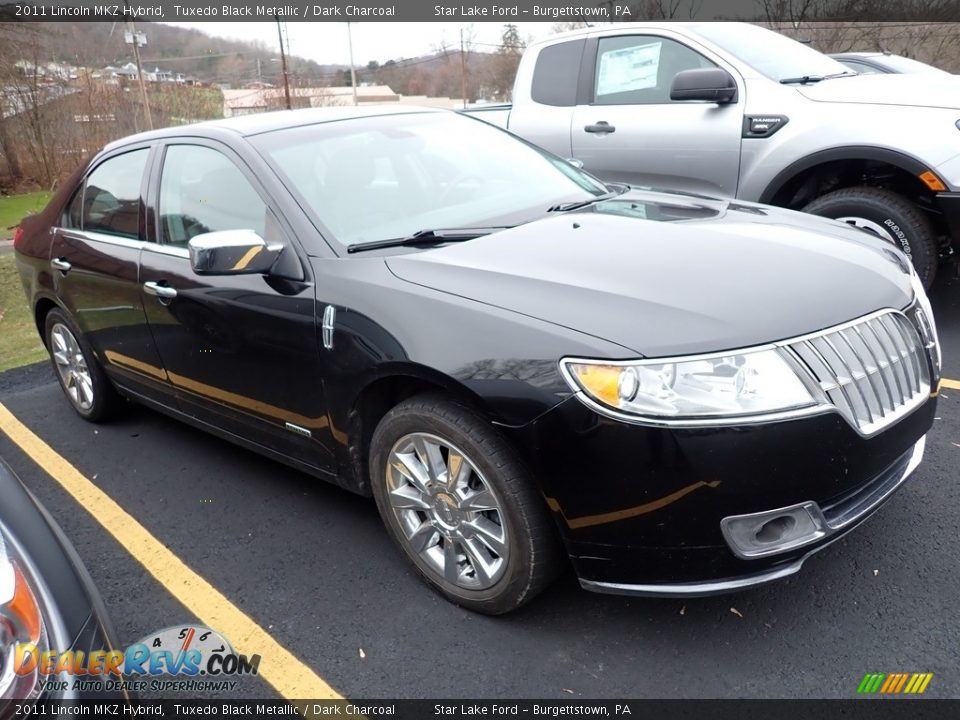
682, 395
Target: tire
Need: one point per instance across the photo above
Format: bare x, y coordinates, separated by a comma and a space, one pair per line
888, 215
81, 378
438, 530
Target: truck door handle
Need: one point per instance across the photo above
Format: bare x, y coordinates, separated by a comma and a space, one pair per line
61, 265
600, 128
164, 292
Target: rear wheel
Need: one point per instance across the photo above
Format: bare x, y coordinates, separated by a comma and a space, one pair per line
889, 216
83, 381
457, 500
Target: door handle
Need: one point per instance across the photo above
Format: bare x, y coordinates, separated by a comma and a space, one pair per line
164, 292
61, 265
600, 128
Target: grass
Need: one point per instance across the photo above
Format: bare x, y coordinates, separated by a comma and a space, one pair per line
19, 342
13, 208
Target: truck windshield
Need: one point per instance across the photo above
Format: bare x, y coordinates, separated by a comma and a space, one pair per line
370, 179
769, 53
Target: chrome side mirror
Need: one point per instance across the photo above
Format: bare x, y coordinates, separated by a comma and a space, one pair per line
232, 252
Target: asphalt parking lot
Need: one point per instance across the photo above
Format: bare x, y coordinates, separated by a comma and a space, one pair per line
312, 567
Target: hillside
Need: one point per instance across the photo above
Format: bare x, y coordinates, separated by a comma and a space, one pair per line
185, 50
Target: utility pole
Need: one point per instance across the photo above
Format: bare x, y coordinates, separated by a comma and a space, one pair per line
283, 64
353, 71
135, 41
463, 72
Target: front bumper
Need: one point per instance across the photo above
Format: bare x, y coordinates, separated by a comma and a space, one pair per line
640, 508
841, 517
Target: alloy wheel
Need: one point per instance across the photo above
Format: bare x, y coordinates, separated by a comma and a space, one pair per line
450, 516
71, 366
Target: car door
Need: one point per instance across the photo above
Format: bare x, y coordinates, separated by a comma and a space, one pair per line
95, 258
627, 129
241, 351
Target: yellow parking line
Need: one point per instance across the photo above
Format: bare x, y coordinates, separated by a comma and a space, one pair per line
952, 384
278, 666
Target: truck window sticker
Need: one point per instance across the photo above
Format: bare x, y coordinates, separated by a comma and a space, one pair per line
628, 69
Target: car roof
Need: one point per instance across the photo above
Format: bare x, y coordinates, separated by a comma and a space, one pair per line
245, 125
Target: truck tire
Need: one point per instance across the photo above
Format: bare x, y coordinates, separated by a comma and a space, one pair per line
889, 216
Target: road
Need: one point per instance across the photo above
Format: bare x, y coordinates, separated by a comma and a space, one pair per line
311, 566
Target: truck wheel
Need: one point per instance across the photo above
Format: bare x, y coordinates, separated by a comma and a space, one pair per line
889, 216
461, 506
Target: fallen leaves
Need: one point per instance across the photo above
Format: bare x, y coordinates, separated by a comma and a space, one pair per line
736, 612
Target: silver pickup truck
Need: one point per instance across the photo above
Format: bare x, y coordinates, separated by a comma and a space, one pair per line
736, 110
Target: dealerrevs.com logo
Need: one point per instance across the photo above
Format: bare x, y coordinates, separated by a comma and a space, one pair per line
187, 657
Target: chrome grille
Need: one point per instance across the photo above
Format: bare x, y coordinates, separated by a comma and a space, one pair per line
873, 371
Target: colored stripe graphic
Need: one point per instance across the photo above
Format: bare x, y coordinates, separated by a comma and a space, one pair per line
894, 683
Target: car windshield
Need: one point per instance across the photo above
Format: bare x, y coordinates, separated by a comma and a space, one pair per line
901, 64
769, 53
376, 178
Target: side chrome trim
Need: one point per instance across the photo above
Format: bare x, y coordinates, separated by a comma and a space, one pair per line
326, 327
167, 250
104, 238
726, 585
298, 430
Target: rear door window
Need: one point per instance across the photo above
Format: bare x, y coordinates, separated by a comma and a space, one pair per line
556, 73
111, 196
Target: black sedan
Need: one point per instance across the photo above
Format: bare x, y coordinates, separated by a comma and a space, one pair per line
683, 395
48, 603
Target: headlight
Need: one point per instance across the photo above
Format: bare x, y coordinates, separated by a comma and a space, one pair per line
23, 620
756, 382
920, 295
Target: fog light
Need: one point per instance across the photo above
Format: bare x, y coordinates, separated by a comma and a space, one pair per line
774, 531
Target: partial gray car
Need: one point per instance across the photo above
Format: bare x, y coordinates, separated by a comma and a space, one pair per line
736, 110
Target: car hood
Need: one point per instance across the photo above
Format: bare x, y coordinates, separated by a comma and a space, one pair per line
665, 275
909, 90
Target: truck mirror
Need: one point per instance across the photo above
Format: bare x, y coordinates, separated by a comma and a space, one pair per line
705, 84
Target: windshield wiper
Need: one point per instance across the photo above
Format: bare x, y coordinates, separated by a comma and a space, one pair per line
805, 79
564, 207
429, 237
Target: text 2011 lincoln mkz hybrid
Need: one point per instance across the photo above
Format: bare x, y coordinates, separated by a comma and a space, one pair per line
682, 395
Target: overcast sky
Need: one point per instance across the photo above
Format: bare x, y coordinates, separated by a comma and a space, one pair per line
326, 42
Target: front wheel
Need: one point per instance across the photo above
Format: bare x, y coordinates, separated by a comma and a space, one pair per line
458, 502
889, 216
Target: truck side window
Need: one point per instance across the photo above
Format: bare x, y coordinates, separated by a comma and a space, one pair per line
556, 72
639, 69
